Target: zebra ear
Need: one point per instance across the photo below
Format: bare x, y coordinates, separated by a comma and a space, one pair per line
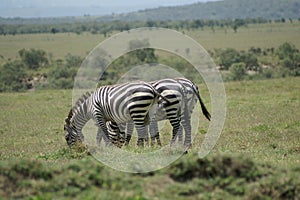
70, 114
67, 121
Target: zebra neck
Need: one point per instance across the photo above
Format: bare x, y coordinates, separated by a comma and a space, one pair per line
81, 116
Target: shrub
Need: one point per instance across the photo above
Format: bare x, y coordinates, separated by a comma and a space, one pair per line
61, 76
33, 58
12, 77
237, 71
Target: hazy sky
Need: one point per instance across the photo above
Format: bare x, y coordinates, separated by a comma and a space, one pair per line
105, 3
42, 8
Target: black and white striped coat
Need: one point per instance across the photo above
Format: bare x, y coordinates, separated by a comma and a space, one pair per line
114, 103
183, 95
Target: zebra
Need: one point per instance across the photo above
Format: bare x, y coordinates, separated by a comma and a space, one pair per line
187, 103
169, 107
114, 103
192, 96
78, 116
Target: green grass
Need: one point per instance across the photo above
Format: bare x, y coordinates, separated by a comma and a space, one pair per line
261, 134
257, 155
263, 120
59, 45
255, 35
31, 123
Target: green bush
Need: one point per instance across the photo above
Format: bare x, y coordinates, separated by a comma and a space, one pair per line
61, 76
12, 77
237, 71
34, 58
289, 57
213, 167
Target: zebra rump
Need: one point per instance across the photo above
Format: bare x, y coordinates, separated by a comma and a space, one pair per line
182, 108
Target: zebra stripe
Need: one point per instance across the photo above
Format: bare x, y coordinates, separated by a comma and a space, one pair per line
192, 95
115, 103
77, 118
187, 103
130, 101
169, 107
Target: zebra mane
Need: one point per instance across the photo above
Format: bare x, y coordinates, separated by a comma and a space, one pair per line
75, 108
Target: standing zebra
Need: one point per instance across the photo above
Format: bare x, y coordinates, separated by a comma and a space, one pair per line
115, 103
170, 106
192, 95
190, 99
181, 109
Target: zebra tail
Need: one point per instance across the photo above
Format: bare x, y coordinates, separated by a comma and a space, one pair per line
203, 108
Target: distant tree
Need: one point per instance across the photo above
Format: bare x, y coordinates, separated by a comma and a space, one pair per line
141, 51
73, 61
237, 71
54, 30
237, 23
33, 58
225, 58
286, 50
12, 77
235, 27
250, 60
290, 57
150, 23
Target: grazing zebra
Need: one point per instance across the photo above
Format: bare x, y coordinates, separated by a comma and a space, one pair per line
169, 107
115, 103
187, 103
190, 99
78, 116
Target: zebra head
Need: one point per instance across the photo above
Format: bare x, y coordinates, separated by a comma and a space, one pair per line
71, 132
77, 118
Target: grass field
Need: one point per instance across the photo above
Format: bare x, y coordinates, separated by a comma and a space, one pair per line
256, 157
260, 139
59, 45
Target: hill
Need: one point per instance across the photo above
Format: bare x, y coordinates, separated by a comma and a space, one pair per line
227, 9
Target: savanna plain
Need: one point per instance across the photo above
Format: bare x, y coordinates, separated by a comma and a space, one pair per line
256, 157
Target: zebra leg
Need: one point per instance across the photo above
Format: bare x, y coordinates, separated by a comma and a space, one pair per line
80, 136
154, 133
142, 134
122, 128
116, 134
101, 123
186, 123
146, 134
99, 136
180, 134
175, 124
129, 132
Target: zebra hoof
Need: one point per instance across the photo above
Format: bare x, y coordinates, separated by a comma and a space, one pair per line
140, 143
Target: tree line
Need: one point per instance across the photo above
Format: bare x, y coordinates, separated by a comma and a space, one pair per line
34, 69
101, 27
